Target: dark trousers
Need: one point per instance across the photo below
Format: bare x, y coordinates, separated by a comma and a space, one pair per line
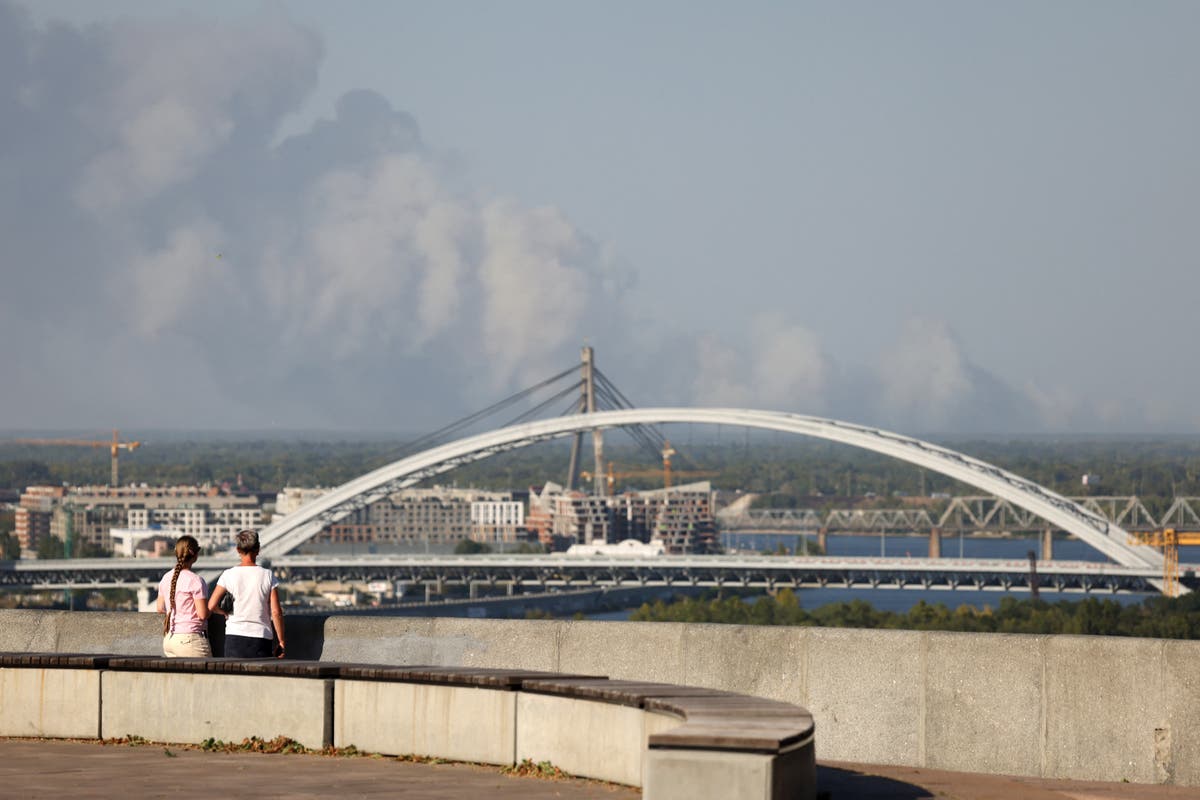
248, 646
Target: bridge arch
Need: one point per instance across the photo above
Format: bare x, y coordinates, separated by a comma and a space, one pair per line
294, 529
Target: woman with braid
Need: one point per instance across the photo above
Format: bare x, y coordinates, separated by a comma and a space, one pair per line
182, 597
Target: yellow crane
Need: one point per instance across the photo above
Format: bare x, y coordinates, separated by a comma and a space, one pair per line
667, 452
116, 446
1169, 540
611, 476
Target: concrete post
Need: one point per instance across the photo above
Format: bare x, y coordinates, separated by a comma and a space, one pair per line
1047, 544
935, 542
143, 600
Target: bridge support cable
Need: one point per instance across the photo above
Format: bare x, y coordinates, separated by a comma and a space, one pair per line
542, 406
649, 437
441, 434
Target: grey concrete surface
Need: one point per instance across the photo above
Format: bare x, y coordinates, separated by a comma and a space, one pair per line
80, 632
995, 714
1104, 701
51, 770
49, 702
1181, 693
1102, 708
514, 644
600, 740
681, 775
645, 651
758, 661
865, 693
189, 708
40, 770
461, 723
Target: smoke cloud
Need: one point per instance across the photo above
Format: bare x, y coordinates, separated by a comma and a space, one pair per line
153, 218
170, 261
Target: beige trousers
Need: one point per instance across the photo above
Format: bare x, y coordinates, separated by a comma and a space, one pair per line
186, 645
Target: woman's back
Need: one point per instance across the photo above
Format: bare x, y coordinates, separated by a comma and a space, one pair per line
190, 592
251, 589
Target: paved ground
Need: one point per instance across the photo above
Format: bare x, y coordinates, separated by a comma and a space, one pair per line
58, 769
875, 782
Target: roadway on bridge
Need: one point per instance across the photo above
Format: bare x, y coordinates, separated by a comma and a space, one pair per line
31, 768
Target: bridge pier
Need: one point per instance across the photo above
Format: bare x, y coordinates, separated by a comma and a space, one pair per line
1047, 544
822, 535
935, 542
144, 602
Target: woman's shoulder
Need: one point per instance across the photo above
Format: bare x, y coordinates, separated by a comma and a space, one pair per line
190, 577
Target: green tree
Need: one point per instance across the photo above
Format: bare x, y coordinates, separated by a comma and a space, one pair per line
470, 547
10, 547
50, 547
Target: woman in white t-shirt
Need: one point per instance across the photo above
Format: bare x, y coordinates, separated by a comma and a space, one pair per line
182, 597
254, 629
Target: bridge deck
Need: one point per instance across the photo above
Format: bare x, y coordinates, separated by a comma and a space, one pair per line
590, 571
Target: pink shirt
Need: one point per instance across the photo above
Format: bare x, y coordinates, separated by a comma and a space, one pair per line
190, 589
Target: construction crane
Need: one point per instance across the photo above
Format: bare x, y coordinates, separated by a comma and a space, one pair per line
116, 445
611, 476
667, 452
1169, 540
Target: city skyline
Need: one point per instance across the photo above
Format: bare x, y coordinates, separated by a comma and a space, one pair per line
928, 217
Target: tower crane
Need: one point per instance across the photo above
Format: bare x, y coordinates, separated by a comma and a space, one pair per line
1169, 540
612, 476
116, 446
667, 452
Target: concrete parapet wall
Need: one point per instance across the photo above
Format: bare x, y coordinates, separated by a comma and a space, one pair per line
55, 703
80, 632
1078, 707
460, 723
189, 708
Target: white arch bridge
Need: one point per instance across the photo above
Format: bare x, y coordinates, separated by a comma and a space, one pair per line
291, 531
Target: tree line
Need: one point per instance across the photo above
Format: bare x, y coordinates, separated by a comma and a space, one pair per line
788, 471
1155, 617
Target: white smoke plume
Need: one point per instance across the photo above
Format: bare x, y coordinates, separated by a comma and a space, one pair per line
169, 227
924, 375
782, 365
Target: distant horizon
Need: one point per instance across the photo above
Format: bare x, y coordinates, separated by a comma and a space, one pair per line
733, 439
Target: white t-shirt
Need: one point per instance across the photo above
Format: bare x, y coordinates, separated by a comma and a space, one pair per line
251, 589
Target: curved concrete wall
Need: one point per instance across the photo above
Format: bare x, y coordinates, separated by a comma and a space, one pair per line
1100, 708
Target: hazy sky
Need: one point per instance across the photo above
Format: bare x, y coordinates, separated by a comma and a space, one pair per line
931, 216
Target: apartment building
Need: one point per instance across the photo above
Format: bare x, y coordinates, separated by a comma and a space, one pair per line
436, 518
497, 521
681, 517
89, 513
35, 506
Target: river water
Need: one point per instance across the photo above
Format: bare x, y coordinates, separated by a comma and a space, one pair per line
1066, 548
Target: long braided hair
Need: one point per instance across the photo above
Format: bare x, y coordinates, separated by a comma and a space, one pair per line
187, 549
